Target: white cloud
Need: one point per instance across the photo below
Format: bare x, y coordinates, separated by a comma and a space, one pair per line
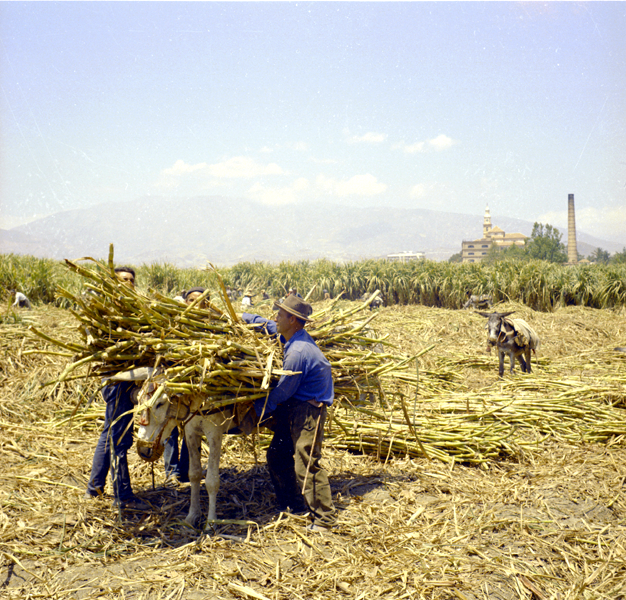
411, 148
417, 191
441, 142
278, 196
368, 138
429, 192
323, 161
171, 177
238, 167
608, 222
181, 168
359, 185
299, 146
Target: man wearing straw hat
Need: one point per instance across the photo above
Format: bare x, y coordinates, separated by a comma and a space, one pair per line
298, 404
117, 435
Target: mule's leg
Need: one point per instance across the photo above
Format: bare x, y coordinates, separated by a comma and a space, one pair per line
501, 365
212, 480
511, 361
193, 436
527, 355
521, 361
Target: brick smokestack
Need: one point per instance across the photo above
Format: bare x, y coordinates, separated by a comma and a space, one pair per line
572, 250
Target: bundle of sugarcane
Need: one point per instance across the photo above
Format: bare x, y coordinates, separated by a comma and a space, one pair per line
474, 427
442, 439
202, 348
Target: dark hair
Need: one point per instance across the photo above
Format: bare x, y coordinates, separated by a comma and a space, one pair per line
125, 270
192, 290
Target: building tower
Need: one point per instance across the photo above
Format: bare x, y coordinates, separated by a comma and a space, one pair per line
486, 222
572, 249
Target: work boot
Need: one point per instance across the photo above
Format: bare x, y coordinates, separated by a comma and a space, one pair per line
90, 495
316, 528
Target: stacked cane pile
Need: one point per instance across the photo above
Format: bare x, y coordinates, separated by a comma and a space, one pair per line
209, 351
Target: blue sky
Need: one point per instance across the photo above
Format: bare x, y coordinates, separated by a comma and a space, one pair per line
445, 106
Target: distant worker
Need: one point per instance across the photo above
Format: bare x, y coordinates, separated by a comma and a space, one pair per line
21, 301
326, 295
246, 301
375, 303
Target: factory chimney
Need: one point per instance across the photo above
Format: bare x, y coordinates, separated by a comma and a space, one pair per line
572, 250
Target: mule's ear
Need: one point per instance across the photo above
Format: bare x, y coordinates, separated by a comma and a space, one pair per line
483, 314
506, 314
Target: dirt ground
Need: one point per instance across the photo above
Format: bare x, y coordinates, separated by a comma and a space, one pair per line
546, 521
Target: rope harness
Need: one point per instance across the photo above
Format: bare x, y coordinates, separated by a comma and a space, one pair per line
156, 448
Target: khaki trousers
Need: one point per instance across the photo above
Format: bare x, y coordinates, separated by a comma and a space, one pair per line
296, 447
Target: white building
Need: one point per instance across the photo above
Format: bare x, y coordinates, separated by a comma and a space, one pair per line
404, 256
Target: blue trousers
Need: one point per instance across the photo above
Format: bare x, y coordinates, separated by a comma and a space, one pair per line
175, 464
114, 442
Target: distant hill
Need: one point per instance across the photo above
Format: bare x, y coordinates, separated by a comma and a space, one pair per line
226, 231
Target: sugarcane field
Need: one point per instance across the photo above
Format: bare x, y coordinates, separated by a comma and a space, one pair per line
450, 481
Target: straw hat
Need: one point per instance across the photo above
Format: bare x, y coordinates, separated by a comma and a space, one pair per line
296, 306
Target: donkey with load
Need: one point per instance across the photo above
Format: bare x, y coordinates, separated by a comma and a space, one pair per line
513, 337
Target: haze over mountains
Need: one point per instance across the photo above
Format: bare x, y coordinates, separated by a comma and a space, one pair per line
226, 231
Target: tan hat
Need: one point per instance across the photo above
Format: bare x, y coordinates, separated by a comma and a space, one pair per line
296, 306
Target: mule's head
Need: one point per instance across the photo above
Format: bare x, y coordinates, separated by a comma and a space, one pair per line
494, 324
157, 421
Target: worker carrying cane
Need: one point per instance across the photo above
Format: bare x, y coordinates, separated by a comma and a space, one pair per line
298, 405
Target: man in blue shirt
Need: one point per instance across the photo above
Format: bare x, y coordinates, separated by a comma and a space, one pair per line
298, 404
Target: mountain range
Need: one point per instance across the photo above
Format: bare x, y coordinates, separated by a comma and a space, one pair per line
190, 232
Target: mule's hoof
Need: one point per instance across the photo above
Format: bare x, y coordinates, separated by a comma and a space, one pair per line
192, 521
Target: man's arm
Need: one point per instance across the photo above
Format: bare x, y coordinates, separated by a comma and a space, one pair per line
286, 387
265, 325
